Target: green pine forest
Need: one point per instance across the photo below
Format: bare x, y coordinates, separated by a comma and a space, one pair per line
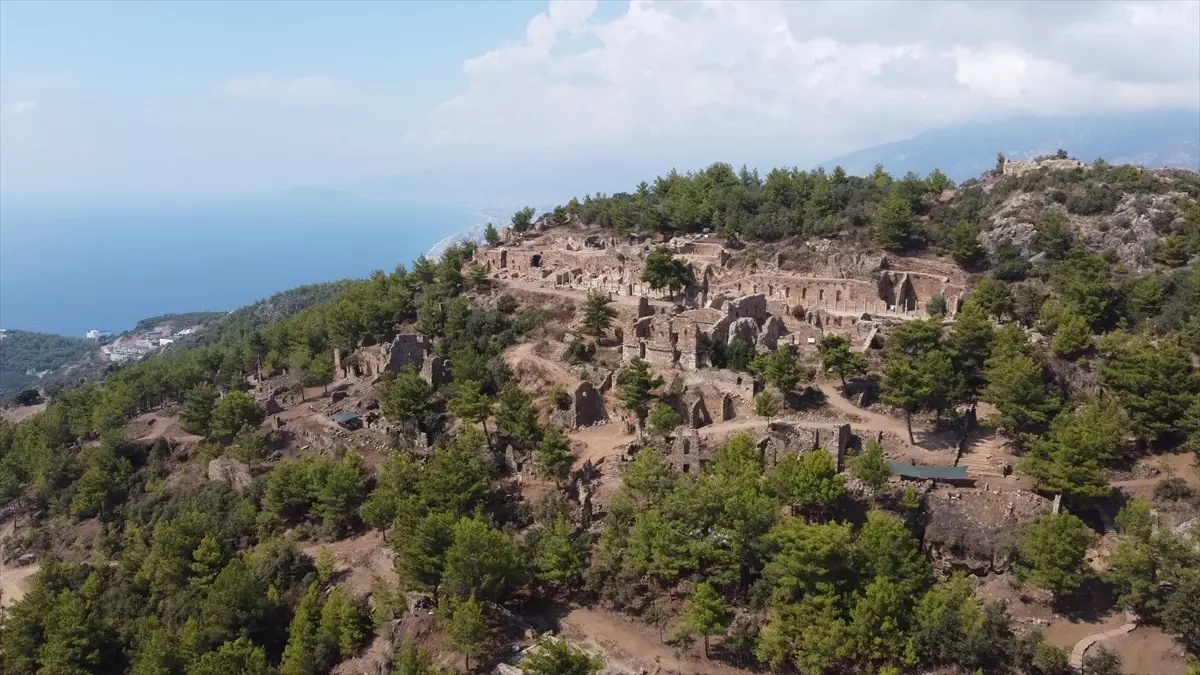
204, 580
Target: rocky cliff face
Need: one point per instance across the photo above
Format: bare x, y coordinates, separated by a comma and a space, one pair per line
1121, 209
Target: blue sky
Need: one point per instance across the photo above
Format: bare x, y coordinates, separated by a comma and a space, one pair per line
171, 100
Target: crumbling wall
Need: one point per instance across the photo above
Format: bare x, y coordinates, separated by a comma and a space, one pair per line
690, 451
435, 370
586, 409
588, 405
407, 349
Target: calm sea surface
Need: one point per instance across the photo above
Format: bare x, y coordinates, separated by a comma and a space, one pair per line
108, 268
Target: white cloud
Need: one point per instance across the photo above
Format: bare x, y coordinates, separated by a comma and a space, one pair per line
265, 86
22, 108
807, 77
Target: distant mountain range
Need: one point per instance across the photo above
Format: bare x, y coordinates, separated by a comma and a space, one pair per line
1169, 138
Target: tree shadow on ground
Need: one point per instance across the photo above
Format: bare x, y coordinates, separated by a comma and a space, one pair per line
1092, 602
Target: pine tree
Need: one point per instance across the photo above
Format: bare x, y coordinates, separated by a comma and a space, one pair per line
157, 650
870, 466
662, 420
206, 560
470, 404
969, 343
1154, 381
482, 562
517, 418
1016, 387
240, 656
893, 223
465, 629
196, 415
905, 386
405, 397
837, 357
560, 558
878, 623
766, 404
597, 314
963, 244
553, 456
1073, 336
490, 235
299, 657
816, 483
412, 660
705, 614
664, 270
234, 411
1071, 459
249, 447
1054, 552
636, 383
421, 544
994, 296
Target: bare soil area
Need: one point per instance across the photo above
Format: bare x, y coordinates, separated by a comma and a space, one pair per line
20, 413
15, 582
1148, 651
361, 563
634, 646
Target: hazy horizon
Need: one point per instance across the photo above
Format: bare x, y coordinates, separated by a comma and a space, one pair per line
128, 102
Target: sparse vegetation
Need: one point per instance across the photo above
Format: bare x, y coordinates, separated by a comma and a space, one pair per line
784, 564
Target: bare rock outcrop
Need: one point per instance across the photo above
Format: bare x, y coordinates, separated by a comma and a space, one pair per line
231, 472
976, 529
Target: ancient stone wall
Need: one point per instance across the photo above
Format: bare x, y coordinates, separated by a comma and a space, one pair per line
1021, 166
435, 370
586, 409
407, 349
691, 451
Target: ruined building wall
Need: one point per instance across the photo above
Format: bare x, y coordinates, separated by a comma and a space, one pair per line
689, 451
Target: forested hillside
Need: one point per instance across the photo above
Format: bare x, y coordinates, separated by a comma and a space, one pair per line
1082, 360
906, 214
21, 351
179, 320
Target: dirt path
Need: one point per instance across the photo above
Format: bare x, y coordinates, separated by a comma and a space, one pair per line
16, 414
870, 419
579, 296
523, 353
15, 583
158, 428
927, 438
602, 442
1149, 650
1082, 646
734, 425
633, 646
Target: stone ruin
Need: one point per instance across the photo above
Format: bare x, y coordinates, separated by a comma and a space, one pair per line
766, 306
690, 450
407, 349
1022, 166
586, 409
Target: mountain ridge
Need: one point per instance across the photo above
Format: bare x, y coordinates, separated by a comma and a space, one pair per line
1168, 138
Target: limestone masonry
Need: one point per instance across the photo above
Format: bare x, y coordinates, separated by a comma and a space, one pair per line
758, 302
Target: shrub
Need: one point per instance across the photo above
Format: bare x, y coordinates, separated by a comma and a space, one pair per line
1173, 490
559, 397
579, 352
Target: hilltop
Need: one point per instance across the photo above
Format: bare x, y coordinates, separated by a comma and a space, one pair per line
1161, 138
724, 423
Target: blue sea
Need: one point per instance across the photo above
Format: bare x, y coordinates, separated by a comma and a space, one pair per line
68, 271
